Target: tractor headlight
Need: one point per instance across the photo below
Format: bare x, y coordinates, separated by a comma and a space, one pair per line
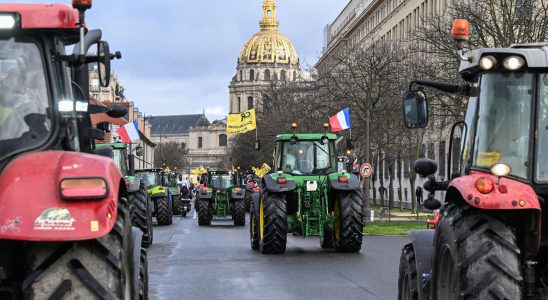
488, 62
7, 21
501, 170
513, 63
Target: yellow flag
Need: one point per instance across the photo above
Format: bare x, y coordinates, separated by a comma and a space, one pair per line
241, 123
261, 172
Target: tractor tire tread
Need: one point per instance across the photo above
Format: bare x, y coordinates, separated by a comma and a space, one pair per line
275, 224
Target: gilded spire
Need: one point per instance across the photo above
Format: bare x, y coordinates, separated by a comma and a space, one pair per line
269, 21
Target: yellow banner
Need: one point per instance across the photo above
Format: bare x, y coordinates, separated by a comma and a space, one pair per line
199, 171
241, 123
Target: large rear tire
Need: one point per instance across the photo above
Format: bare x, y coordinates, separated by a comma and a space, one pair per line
253, 228
141, 215
273, 223
100, 268
164, 214
476, 257
348, 227
177, 206
204, 213
408, 288
239, 213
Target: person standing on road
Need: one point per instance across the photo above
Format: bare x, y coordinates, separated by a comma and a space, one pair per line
418, 193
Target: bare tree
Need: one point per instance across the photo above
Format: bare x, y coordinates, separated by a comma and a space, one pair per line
170, 155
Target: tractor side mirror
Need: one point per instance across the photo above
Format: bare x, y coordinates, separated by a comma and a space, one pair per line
425, 167
257, 145
117, 111
104, 126
415, 109
103, 59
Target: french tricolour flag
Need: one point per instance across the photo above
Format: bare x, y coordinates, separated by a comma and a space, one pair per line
129, 132
340, 121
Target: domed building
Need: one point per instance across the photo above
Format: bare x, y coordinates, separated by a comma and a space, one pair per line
267, 56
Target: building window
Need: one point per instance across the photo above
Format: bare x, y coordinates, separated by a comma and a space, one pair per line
250, 102
241, 76
294, 75
267, 75
239, 105
200, 142
223, 140
283, 76
252, 75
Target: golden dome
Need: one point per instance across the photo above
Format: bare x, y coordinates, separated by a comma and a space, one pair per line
269, 45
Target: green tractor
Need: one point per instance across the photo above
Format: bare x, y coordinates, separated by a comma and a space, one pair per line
307, 196
157, 181
222, 198
140, 204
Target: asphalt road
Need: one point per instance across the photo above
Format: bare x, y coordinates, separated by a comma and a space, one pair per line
187, 261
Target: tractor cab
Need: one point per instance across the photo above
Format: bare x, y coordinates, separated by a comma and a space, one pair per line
306, 154
151, 177
220, 180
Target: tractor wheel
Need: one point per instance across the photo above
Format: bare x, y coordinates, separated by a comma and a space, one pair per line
326, 241
100, 268
247, 201
239, 213
476, 257
177, 206
164, 215
272, 223
348, 227
140, 214
408, 288
143, 276
204, 213
253, 228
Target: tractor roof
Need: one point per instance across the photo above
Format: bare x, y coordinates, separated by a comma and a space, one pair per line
218, 172
44, 16
120, 146
535, 55
306, 136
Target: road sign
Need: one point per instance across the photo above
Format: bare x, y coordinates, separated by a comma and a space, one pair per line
366, 170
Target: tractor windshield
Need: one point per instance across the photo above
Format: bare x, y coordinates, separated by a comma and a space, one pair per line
307, 158
150, 178
222, 181
24, 121
503, 131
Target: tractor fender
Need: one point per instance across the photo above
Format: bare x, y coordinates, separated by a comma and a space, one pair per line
422, 241
353, 183
203, 195
238, 195
518, 196
31, 207
133, 185
272, 185
136, 257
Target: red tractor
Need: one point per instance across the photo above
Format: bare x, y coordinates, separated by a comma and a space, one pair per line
65, 230
491, 239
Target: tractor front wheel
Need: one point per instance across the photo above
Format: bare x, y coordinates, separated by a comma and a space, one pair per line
476, 257
408, 288
204, 213
100, 268
273, 223
143, 276
348, 227
164, 214
141, 214
177, 206
239, 213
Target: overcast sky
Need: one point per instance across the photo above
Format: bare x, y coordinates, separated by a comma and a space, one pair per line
180, 55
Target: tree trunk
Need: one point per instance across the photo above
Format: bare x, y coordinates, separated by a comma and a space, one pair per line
391, 188
366, 198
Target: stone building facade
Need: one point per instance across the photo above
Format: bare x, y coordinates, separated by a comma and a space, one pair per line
361, 23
